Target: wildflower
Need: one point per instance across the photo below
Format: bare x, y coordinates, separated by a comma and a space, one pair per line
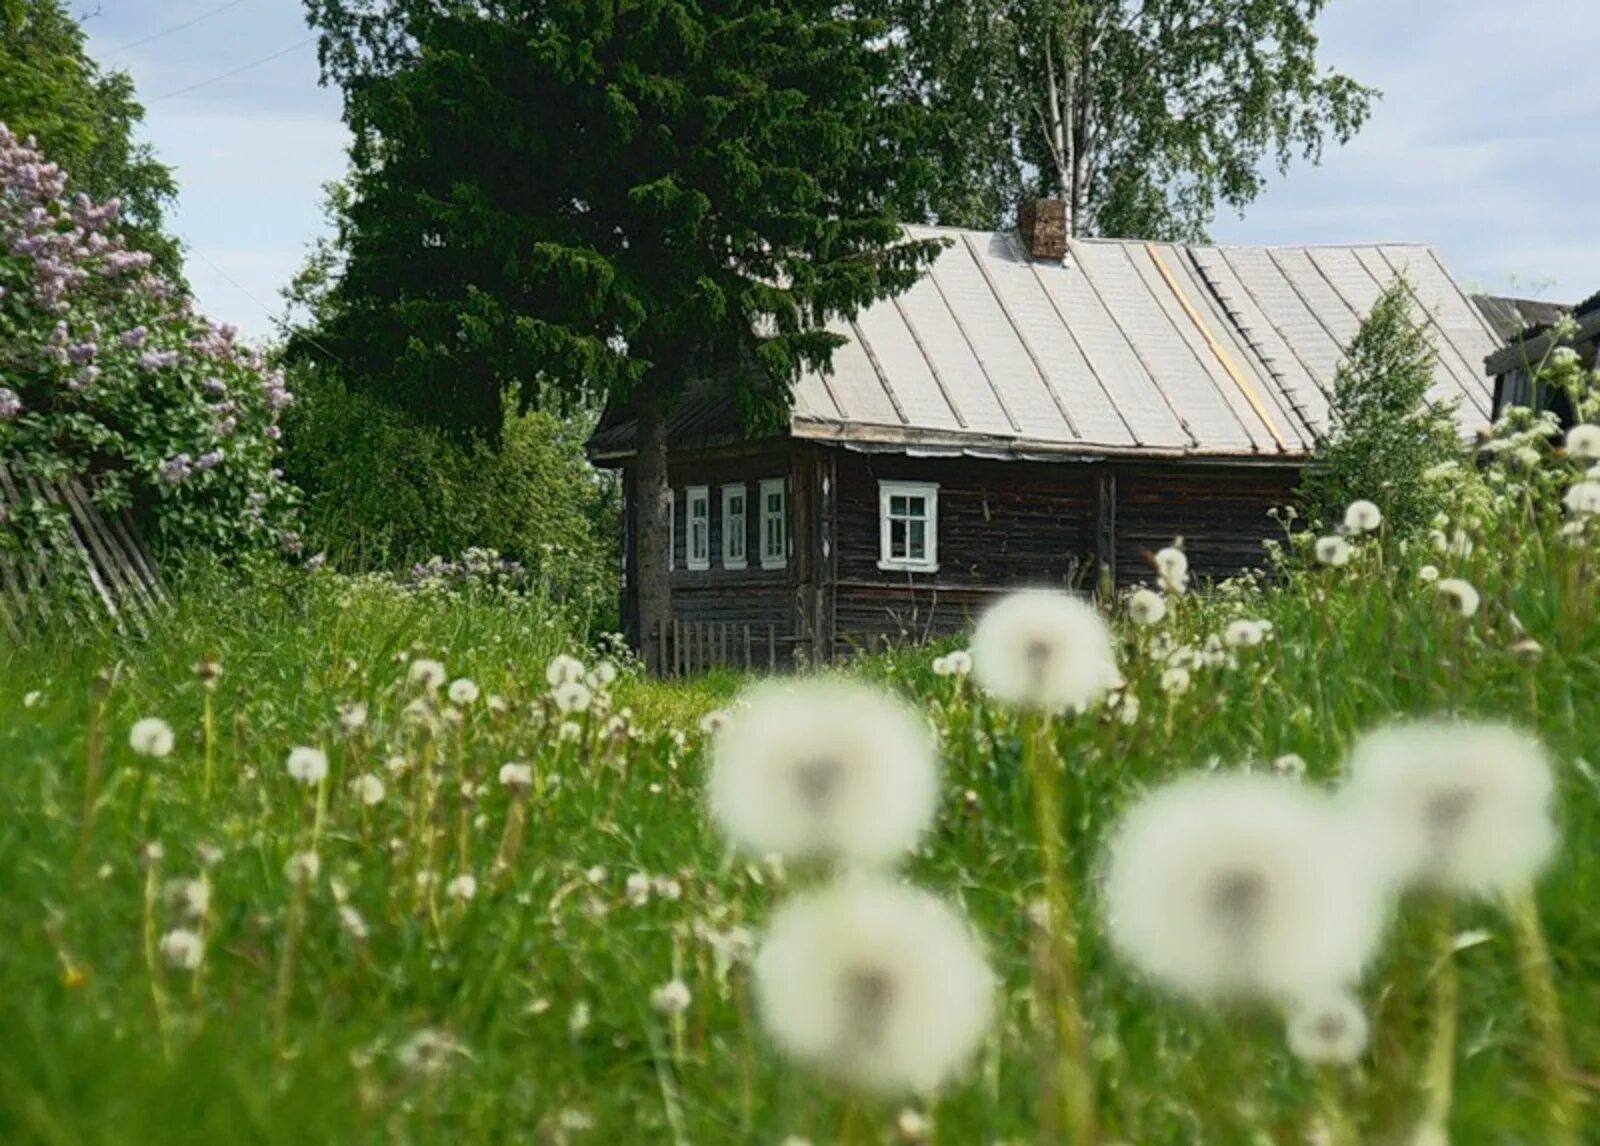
1527, 650
428, 1052
571, 696
1245, 634
563, 669
1126, 707
1334, 551
1584, 442
880, 985
427, 674
1172, 567
1175, 680
959, 662
10, 404
302, 867
352, 717
823, 769
1455, 805
208, 670
151, 737
516, 778
397, 765
1583, 498
1428, 574
463, 692
941, 666
1458, 594
1147, 607
1362, 516
671, 998
569, 731
182, 949
463, 887
1240, 885
308, 766
602, 676
1328, 1031
368, 789
190, 898
637, 889
1044, 649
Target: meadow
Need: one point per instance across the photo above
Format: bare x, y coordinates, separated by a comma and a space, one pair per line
425, 945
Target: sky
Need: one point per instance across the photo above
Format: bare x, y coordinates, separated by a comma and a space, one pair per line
1486, 143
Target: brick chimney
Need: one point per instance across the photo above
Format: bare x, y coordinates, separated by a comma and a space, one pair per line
1043, 223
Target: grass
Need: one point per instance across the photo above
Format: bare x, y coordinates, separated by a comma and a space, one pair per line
536, 994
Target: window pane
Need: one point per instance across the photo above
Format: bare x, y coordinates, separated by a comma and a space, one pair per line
898, 506
917, 549
917, 507
897, 540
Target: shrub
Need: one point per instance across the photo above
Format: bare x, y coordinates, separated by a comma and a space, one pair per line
107, 375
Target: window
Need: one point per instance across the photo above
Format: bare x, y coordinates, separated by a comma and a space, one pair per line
774, 525
697, 510
735, 534
672, 529
908, 525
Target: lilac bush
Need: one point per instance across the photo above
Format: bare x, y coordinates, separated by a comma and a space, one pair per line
108, 375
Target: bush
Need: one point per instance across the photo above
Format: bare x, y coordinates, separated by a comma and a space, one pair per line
385, 492
1388, 441
107, 375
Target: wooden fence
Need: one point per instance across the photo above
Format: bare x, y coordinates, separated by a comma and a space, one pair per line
689, 647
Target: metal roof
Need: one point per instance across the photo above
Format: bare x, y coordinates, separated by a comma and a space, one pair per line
1512, 317
1127, 348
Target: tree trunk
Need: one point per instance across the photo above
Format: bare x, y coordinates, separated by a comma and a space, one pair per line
652, 509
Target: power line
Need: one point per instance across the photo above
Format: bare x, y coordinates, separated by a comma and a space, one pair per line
236, 71
217, 11
280, 323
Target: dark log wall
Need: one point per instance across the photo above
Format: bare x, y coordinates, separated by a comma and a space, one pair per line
1221, 514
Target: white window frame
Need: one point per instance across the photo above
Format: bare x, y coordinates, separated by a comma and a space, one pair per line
929, 492
730, 559
672, 530
769, 560
693, 496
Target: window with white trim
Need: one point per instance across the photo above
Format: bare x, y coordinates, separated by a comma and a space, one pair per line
697, 512
735, 532
672, 529
908, 525
774, 524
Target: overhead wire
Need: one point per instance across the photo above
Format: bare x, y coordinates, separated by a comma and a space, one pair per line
170, 29
298, 44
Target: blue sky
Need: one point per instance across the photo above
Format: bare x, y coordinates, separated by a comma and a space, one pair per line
1486, 144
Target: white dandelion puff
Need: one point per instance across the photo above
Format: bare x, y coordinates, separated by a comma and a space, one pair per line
1332, 551
1362, 516
880, 985
463, 887
1172, 568
1454, 805
1328, 1030
671, 998
352, 717
960, 662
1240, 885
463, 691
369, 789
1459, 595
1584, 442
182, 949
307, 766
941, 666
1245, 634
826, 769
190, 898
1428, 574
427, 674
602, 676
563, 669
1044, 649
1146, 607
302, 867
429, 1052
1583, 498
571, 696
1176, 680
151, 737
516, 778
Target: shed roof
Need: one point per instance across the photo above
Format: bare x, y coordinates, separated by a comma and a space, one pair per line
1151, 349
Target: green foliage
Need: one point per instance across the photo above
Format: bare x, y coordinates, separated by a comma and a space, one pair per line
580, 198
85, 118
107, 375
1388, 443
1146, 118
383, 490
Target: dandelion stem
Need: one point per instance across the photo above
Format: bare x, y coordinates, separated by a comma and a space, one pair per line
1339, 1128
1438, 1079
1544, 1008
291, 938
209, 723
94, 766
158, 990
1076, 1087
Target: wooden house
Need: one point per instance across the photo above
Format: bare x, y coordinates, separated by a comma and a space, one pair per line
1513, 366
1033, 412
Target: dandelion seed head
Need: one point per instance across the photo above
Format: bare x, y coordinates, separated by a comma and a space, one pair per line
369, 789
571, 696
32, 699
462, 691
1583, 498
1428, 574
429, 1052
182, 949
1146, 607
1245, 634
1459, 806
563, 669
671, 998
1328, 1030
1176, 680
1459, 595
602, 676
352, 717
426, 674
1240, 885
1332, 551
1362, 516
463, 887
1044, 649
517, 778
190, 898
303, 867
307, 766
879, 985
959, 662
151, 737
823, 769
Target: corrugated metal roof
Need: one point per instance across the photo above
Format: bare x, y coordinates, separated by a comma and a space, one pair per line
1128, 347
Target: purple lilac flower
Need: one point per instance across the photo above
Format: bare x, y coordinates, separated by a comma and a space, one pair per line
177, 470
135, 338
226, 428
210, 460
274, 433
82, 354
215, 387
10, 404
158, 359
